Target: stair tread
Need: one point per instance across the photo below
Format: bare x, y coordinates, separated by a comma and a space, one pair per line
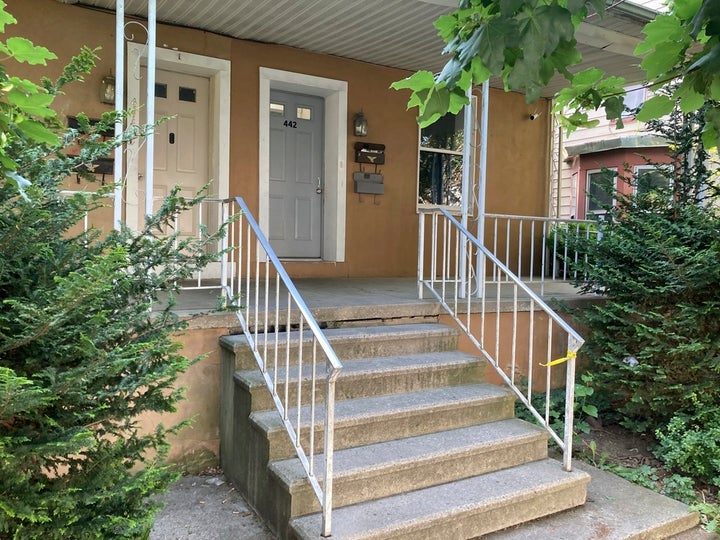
402, 513
410, 451
356, 411
359, 332
377, 365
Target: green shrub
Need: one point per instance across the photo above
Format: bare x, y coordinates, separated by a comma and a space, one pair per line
654, 343
81, 354
692, 445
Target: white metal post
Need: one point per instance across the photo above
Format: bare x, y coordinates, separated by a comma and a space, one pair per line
150, 108
467, 187
119, 104
482, 183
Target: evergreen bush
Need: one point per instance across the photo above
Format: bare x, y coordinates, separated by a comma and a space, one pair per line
654, 343
82, 355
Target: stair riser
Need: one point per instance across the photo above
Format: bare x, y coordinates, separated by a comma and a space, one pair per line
398, 426
365, 385
346, 348
474, 522
419, 474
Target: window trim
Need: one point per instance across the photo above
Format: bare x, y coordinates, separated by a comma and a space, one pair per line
588, 172
452, 209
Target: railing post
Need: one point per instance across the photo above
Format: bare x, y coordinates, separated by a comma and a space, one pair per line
421, 254
569, 403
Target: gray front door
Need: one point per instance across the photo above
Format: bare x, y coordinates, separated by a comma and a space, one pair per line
296, 167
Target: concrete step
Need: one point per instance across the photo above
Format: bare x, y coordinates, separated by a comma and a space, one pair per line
367, 377
388, 468
457, 510
349, 343
382, 418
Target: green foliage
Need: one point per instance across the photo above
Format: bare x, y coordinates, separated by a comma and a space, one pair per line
583, 407
691, 445
525, 43
81, 354
654, 345
709, 514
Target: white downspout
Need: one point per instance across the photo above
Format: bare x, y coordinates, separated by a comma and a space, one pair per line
119, 104
150, 109
482, 185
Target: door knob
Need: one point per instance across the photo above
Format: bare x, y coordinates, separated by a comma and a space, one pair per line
318, 189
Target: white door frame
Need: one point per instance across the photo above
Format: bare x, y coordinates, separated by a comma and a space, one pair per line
334, 93
218, 71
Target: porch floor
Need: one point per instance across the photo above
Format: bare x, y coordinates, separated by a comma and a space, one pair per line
375, 297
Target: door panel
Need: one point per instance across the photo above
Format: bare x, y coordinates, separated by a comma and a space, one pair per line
296, 164
181, 142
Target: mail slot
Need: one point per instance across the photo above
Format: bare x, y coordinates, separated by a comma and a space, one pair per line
369, 153
368, 183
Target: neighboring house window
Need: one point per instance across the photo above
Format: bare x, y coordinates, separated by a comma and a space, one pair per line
634, 98
597, 196
441, 159
649, 179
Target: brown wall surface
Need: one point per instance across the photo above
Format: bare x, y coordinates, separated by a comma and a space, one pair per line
381, 231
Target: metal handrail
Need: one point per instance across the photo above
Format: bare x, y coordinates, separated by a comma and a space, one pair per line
265, 345
455, 256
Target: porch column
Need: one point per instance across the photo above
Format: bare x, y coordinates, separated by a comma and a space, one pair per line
467, 186
119, 105
150, 108
482, 184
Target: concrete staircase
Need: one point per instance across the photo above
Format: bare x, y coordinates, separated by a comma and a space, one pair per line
424, 448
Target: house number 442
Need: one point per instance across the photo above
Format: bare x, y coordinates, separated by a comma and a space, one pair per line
290, 124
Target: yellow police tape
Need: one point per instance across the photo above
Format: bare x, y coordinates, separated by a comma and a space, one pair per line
571, 355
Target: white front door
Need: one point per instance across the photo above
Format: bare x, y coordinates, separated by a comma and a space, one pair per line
296, 170
181, 142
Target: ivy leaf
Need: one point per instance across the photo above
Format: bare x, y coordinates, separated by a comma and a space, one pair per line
23, 50
655, 107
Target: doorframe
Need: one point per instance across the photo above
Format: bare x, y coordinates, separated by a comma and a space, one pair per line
217, 71
334, 93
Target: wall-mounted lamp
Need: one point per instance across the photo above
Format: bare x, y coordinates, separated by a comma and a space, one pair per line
107, 90
360, 125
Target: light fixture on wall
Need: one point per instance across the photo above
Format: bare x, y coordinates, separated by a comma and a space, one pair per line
360, 125
107, 90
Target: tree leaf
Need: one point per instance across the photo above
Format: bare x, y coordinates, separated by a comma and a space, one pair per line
23, 50
5, 18
509, 7
655, 107
32, 104
492, 43
661, 29
38, 132
417, 81
663, 59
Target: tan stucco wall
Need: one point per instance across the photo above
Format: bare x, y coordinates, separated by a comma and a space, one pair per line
381, 231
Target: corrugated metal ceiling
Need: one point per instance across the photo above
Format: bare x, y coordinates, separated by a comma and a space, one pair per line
396, 33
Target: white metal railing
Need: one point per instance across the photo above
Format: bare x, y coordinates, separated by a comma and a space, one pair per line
527, 342
269, 306
536, 248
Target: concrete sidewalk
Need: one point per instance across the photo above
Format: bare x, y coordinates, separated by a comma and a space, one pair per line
209, 508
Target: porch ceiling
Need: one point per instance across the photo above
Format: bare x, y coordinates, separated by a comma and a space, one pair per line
397, 33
